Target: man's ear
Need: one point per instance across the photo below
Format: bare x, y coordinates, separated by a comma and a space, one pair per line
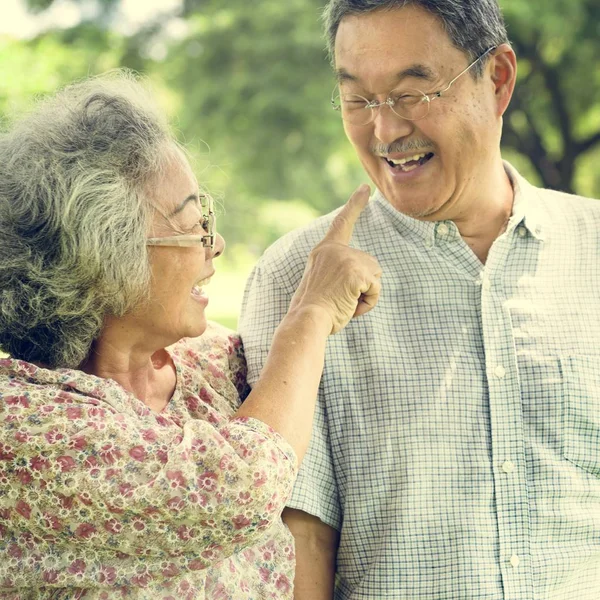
502, 68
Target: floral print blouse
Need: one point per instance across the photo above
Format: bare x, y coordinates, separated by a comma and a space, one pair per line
102, 498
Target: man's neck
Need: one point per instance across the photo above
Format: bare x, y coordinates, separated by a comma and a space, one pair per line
488, 214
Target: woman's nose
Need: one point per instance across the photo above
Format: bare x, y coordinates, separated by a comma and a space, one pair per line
219, 246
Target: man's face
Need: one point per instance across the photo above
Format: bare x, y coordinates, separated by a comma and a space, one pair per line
408, 48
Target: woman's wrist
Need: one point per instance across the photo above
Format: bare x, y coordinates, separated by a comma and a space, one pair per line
309, 318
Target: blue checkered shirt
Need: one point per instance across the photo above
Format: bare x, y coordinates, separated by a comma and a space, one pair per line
456, 444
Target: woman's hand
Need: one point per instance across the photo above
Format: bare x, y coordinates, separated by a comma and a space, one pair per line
339, 280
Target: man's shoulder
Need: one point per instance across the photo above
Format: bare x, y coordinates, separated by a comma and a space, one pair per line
285, 259
555, 207
298, 242
293, 248
569, 213
563, 199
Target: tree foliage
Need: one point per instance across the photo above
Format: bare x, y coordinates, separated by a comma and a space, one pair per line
554, 118
249, 84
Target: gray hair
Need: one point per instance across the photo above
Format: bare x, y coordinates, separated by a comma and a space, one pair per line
74, 177
473, 26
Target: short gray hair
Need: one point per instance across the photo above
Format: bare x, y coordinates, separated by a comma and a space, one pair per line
473, 26
74, 217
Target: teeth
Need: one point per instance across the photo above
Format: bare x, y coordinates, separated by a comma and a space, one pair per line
411, 168
403, 161
202, 282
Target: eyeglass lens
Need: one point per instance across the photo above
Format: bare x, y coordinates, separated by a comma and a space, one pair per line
411, 104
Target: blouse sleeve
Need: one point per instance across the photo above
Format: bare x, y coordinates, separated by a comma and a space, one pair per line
75, 470
237, 366
225, 348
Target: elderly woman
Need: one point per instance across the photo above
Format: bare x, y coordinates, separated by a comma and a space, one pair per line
128, 468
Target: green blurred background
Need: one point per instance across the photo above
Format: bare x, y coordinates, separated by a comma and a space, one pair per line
247, 86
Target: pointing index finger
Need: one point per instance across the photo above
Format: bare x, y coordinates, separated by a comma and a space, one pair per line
342, 225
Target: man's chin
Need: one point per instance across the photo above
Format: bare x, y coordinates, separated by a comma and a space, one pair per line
413, 208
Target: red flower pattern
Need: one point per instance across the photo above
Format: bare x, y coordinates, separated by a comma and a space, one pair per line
77, 567
85, 530
138, 453
23, 509
67, 463
92, 467
74, 412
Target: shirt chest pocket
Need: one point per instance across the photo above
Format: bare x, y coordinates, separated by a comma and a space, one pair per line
581, 412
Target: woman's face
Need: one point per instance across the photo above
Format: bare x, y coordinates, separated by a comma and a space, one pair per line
177, 299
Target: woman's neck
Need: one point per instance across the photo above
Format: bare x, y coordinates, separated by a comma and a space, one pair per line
146, 372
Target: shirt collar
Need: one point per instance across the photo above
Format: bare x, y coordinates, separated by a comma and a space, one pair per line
54, 379
421, 231
526, 208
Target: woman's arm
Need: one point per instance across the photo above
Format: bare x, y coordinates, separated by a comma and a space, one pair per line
339, 282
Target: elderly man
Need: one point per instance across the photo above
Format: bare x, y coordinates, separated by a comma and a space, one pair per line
456, 450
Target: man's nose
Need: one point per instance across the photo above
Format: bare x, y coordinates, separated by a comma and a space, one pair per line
388, 126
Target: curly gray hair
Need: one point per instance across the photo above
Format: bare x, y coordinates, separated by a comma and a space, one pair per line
472, 25
74, 177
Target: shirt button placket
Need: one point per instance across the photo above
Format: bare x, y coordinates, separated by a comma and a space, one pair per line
443, 230
508, 466
507, 428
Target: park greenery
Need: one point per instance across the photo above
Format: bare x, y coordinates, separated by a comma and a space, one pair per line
247, 85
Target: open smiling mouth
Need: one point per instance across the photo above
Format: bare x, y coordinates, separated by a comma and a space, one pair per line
197, 290
410, 163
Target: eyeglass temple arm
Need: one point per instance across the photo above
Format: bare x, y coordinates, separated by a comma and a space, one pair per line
182, 240
177, 240
438, 94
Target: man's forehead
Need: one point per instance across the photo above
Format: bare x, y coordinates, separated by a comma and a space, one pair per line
409, 32
393, 44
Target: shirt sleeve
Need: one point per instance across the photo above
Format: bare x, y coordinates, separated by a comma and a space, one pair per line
263, 307
77, 471
316, 491
265, 304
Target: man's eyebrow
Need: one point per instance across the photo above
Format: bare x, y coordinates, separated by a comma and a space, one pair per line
342, 75
190, 198
416, 71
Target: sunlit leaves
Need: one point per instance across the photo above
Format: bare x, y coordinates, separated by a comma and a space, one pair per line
251, 82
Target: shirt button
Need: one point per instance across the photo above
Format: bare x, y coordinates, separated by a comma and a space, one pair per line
522, 232
487, 284
515, 561
443, 229
508, 466
499, 371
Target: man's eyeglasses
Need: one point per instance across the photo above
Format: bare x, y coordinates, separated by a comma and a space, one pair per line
408, 103
206, 240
